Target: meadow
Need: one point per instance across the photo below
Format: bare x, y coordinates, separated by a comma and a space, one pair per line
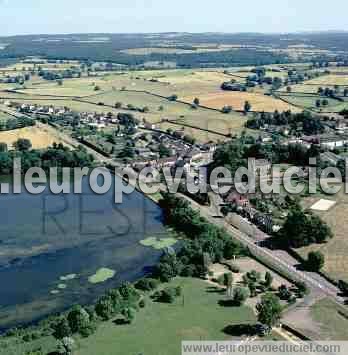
194, 315
336, 250
237, 99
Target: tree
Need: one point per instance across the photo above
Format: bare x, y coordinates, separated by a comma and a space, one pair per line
343, 286
240, 295
268, 279
247, 106
173, 97
163, 151
22, 144
284, 293
118, 105
196, 101
228, 280
302, 289
289, 89
318, 103
269, 310
79, 321
3, 147
129, 314
315, 261
301, 230
226, 109
104, 308
61, 329
68, 345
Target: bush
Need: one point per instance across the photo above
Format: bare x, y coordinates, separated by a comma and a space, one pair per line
235, 269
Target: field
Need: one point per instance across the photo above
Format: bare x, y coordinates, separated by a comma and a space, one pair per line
196, 316
332, 320
335, 250
237, 99
309, 102
328, 80
140, 90
40, 136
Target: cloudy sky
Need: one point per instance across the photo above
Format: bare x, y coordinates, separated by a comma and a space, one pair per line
78, 16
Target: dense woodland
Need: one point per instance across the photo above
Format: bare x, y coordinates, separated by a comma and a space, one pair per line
84, 47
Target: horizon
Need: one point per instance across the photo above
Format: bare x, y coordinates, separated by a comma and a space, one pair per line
177, 32
152, 16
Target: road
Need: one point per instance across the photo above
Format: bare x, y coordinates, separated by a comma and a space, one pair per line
277, 259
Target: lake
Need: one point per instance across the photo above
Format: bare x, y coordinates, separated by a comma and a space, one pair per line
46, 237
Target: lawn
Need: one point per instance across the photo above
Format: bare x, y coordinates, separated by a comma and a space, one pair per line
160, 328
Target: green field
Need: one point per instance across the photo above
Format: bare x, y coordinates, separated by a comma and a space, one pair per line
332, 320
160, 328
309, 102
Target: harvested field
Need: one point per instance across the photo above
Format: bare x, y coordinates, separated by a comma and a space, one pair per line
40, 136
237, 99
330, 80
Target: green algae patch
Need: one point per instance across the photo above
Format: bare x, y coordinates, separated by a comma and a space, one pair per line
158, 244
102, 275
68, 277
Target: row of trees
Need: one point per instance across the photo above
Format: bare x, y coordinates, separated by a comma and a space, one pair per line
305, 122
55, 156
205, 242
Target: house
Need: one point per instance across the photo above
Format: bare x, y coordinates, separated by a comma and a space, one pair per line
333, 141
237, 198
330, 158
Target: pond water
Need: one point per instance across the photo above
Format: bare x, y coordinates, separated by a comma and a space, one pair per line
46, 237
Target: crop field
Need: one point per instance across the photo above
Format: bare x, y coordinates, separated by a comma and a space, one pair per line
40, 136
335, 250
237, 99
330, 80
303, 88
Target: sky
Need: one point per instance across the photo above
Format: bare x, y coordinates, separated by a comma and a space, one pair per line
129, 16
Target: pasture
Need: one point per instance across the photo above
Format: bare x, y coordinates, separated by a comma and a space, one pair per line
309, 102
336, 249
258, 102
